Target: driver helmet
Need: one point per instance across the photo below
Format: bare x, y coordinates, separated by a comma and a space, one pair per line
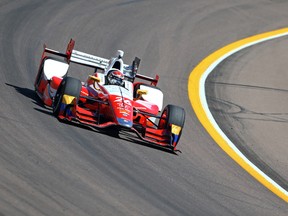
115, 77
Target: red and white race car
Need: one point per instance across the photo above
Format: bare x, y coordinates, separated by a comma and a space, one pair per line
111, 97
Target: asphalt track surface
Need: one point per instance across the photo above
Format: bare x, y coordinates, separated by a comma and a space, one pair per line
51, 168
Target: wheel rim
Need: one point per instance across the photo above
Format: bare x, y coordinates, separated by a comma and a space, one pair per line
163, 120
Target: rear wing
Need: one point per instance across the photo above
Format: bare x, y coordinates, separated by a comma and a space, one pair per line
89, 60
78, 57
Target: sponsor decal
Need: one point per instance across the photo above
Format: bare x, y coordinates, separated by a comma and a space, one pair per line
125, 122
176, 129
122, 100
67, 99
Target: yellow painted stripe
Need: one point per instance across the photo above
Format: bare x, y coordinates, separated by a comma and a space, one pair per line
196, 91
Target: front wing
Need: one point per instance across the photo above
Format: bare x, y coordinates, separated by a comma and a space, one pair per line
71, 111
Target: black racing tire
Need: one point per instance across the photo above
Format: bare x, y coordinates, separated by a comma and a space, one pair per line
172, 114
69, 86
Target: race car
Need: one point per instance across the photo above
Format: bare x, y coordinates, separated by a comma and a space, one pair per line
115, 95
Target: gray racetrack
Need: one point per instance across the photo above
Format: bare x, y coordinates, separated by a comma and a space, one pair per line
51, 168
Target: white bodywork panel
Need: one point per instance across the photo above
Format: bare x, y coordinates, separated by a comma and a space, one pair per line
129, 86
112, 65
153, 95
119, 91
102, 78
54, 68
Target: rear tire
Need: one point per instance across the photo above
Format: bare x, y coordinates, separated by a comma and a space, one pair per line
69, 86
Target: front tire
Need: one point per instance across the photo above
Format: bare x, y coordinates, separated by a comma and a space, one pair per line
172, 115
69, 86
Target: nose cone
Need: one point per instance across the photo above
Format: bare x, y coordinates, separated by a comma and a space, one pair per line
121, 102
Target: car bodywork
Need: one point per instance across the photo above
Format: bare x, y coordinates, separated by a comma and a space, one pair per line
136, 106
